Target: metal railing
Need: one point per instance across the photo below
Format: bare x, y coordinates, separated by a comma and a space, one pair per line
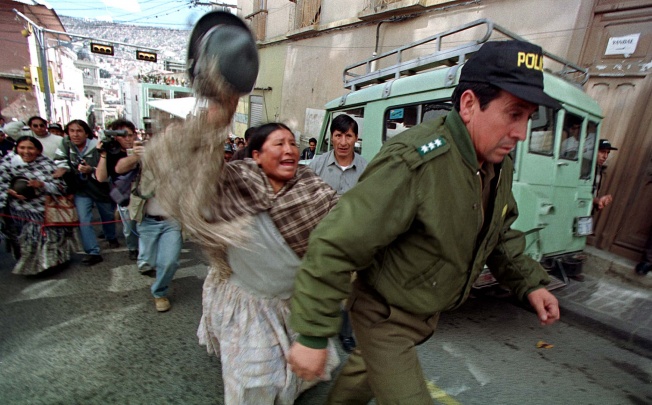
441, 57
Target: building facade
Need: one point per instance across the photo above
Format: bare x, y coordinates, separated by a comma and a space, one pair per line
304, 46
20, 43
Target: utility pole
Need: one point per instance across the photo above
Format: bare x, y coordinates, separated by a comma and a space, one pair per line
39, 34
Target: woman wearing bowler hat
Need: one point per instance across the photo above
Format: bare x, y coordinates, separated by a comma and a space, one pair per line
24, 184
252, 217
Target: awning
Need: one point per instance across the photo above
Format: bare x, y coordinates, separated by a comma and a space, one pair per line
180, 107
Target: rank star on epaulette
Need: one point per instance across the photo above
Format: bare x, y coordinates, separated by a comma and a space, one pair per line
430, 146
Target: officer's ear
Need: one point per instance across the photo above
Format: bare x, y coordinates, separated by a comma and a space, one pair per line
468, 103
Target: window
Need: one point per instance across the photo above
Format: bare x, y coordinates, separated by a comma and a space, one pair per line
570, 137
358, 115
256, 111
258, 20
542, 132
306, 13
589, 146
399, 119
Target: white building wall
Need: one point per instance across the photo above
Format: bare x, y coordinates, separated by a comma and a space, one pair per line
68, 102
312, 72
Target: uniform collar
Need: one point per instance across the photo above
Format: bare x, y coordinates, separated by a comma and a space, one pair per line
332, 161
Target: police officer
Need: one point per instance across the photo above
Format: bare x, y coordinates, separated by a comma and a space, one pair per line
429, 211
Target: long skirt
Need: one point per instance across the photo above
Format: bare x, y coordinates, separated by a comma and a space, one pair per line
39, 248
253, 337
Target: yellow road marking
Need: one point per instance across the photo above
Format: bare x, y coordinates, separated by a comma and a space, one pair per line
440, 395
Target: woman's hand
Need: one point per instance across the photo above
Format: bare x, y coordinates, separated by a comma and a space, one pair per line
15, 195
59, 172
36, 183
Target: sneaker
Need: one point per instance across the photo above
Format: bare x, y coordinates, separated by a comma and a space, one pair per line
90, 260
147, 271
643, 268
113, 243
133, 255
162, 304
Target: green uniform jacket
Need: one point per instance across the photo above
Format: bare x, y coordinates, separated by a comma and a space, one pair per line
413, 229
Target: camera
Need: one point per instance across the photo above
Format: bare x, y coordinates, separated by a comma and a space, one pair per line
109, 143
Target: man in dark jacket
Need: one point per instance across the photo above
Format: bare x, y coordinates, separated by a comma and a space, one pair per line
119, 167
419, 254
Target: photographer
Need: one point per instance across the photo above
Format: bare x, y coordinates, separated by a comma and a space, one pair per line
160, 235
120, 169
76, 160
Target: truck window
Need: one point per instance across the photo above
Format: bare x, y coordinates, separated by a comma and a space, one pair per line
570, 137
358, 115
588, 150
542, 132
399, 119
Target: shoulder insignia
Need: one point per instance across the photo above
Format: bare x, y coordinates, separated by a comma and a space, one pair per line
431, 146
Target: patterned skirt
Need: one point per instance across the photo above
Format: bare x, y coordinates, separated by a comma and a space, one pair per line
253, 337
40, 247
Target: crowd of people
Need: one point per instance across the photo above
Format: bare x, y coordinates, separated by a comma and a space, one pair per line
49, 169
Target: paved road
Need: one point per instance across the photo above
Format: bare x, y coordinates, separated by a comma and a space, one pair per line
92, 336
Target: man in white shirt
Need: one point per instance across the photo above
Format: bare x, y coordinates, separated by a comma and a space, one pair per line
49, 141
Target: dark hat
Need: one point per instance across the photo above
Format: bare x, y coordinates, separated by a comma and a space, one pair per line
19, 185
605, 144
228, 148
55, 126
513, 66
227, 38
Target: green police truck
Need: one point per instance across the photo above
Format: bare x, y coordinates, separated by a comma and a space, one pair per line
554, 166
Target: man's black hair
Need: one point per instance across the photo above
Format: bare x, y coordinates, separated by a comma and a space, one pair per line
312, 140
89, 132
34, 118
122, 123
343, 123
249, 133
485, 93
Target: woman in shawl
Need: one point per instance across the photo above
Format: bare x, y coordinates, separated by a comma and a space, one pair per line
267, 205
25, 180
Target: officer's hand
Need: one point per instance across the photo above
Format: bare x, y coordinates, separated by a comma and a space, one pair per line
307, 363
545, 304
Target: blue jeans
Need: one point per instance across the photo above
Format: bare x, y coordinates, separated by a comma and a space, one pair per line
128, 228
159, 248
84, 206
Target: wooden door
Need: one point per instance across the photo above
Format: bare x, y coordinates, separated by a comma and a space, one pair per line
622, 85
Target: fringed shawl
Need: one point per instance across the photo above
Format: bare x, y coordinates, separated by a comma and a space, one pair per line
296, 209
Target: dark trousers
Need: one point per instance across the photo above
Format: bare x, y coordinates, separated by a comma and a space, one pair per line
647, 254
385, 364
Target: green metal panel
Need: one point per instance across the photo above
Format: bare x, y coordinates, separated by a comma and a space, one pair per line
549, 191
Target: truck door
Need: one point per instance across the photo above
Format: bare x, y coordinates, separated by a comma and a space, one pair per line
555, 179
